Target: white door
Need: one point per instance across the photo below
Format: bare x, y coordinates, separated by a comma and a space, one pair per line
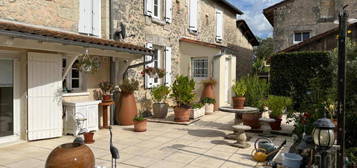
44, 96
227, 81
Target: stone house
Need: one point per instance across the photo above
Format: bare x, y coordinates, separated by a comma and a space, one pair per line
40, 41
297, 20
197, 38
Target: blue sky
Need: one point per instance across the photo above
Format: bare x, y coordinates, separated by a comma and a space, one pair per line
253, 15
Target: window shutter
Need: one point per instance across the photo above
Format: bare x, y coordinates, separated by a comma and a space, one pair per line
85, 16
149, 5
81, 23
168, 66
149, 82
96, 17
193, 15
219, 25
168, 15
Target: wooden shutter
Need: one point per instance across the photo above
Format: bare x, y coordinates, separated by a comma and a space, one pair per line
96, 18
219, 25
83, 16
149, 82
193, 15
168, 66
149, 5
168, 13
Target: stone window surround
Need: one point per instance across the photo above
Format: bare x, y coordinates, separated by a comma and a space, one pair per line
301, 33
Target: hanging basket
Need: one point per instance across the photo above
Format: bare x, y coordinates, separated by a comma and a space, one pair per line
88, 64
154, 72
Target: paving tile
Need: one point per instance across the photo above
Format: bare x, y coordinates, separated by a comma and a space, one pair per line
209, 162
123, 157
182, 157
140, 161
167, 164
28, 163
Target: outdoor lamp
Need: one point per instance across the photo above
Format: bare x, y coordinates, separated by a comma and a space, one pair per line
324, 138
323, 133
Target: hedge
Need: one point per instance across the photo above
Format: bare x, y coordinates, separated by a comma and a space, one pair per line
291, 73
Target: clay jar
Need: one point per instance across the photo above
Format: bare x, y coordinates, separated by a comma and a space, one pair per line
208, 91
182, 114
127, 109
140, 126
71, 155
238, 102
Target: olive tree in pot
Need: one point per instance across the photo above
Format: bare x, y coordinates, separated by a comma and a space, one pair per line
277, 105
127, 109
159, 94
209, 105
239, 89
182, 93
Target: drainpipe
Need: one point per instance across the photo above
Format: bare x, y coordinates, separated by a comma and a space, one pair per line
137, 65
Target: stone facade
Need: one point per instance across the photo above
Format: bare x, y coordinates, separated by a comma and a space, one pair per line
315, 17
147, 29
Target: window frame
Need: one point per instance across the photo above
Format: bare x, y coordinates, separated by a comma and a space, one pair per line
193, 67
159, 8
68, 83
301, 34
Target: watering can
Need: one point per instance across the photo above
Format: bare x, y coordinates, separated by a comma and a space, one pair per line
262, 155
266, 144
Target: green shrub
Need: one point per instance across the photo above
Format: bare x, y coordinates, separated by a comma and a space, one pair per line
277, 104
197, 105
257, 89
290, 73
208, 100
239, 89
160, 93
139, 118
182, 91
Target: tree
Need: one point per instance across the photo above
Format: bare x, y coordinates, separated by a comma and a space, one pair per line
262, 53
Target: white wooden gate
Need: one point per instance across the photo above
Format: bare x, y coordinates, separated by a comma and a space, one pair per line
44, 96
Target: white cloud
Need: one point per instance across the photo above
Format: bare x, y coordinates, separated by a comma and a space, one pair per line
253, 14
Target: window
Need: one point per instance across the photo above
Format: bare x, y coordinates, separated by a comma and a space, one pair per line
73, 79
300, 36
159, 9
199, 67
90, 17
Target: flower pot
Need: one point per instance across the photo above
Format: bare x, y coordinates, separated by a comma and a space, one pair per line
208, 91
160, 110
140, 126
88, 137
209, 109
127, 109
106, 98
252, 119
71, 155
238, 102
182, 114
276, 125
196, 113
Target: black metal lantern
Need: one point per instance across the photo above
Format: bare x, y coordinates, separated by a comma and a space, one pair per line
323, 133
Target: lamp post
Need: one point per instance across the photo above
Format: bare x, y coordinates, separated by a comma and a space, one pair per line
324, 138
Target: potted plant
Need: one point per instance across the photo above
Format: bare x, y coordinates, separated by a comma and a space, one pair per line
197, 111
154, 72
277, 105
208, 88
182, 93
127, 109
239, 89
159, 95
106, 88
140, 123
209, 104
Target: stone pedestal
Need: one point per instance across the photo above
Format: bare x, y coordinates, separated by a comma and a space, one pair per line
240, 136
266, 127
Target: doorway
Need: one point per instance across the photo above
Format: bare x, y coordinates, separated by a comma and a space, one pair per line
6, 98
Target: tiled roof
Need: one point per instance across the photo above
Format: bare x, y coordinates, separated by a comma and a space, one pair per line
243, 26
38, 32
202, 43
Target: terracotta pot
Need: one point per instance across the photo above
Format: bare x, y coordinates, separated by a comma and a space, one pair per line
106, 98
208, 91
160, 110
277, 124
182, 114
238, 102
252, 119
127, 109
140, 126
88, 137
71, 155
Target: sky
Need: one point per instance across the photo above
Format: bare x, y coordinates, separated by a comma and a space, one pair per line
253, 15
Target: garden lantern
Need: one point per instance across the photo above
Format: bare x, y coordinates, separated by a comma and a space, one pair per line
324, 138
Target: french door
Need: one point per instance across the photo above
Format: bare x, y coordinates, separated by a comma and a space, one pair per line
6, 98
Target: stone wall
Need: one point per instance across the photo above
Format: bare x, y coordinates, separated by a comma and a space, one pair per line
305, 15
61, 14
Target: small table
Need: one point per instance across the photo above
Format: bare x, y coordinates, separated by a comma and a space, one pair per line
105, 106
239, 128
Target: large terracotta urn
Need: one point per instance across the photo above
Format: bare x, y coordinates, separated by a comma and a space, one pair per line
127, 109
208, 91
71, 155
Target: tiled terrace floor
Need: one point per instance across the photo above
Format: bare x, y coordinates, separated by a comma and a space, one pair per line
200, 145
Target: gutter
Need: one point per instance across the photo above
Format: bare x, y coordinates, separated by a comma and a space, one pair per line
71, 42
